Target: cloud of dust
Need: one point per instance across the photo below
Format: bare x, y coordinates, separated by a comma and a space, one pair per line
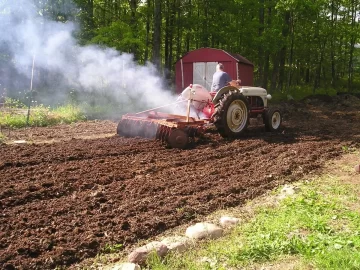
25, 34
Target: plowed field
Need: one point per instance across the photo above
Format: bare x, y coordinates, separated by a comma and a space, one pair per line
76, 188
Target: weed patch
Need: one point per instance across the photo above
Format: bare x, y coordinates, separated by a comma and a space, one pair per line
2, 138
109, 249
15, 115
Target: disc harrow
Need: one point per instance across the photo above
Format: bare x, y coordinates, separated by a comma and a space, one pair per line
177, 131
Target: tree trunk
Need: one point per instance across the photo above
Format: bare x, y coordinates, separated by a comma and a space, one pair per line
205, 34
147, 38
291, 53
333, 25
317, 80
275, 72
352, 44
167, 30
283, 51
267, 55
171, 34
157, 34
133, 24
179, 31
260, 43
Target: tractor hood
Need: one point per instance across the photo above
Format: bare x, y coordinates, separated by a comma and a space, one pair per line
253, 91
245, 90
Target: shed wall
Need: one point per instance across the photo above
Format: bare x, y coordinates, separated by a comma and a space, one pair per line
246, 74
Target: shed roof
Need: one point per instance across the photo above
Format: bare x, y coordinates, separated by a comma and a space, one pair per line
236, 56
240, 58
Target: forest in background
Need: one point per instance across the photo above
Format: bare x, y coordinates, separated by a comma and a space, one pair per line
292, 43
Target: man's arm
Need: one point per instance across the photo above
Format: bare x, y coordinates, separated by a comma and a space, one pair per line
228, 78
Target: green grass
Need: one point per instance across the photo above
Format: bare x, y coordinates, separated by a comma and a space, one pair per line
316, 227
2, 138
108, 248
40, 116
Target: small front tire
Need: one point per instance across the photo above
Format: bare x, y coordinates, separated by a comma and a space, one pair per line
272, 119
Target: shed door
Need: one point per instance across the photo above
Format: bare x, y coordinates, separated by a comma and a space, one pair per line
203, 73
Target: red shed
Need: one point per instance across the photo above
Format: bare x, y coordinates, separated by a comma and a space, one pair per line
198, 66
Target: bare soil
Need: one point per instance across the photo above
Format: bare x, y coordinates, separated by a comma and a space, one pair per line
62, 202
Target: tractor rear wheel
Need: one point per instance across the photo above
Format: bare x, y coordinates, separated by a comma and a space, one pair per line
231, 115
272, 119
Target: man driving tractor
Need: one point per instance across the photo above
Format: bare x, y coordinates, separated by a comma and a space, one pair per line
221, 79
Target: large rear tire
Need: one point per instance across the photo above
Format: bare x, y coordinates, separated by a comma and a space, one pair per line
231, 114
272, 119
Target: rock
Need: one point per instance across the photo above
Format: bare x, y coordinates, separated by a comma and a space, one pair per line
204, 230
20, 141
125, 266
140, 254
97, 194
288, 190
357, 168
229, 221
211, 261
176, 243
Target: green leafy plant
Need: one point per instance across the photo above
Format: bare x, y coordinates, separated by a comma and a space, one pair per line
109, 248
2, 137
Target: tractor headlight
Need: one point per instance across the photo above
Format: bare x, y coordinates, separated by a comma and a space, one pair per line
268, 96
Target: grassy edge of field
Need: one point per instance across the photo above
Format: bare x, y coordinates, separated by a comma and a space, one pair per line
317, 228
2, 138
41, 116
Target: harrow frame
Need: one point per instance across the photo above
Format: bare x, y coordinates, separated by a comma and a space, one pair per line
174, 130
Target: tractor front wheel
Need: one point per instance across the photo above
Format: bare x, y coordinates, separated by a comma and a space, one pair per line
231, 115
272, 119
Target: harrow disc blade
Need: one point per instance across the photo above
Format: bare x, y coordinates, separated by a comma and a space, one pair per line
172, 136
131, 128
122, 128
151, 130
137, 129
178, 139
162, 133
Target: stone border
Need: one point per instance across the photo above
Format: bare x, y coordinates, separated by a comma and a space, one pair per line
193, 234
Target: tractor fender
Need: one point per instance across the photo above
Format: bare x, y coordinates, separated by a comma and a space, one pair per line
245, 90
223, 91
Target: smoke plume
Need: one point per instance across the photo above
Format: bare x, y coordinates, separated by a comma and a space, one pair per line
26, 35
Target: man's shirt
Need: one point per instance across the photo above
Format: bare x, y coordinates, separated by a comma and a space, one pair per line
220, 79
